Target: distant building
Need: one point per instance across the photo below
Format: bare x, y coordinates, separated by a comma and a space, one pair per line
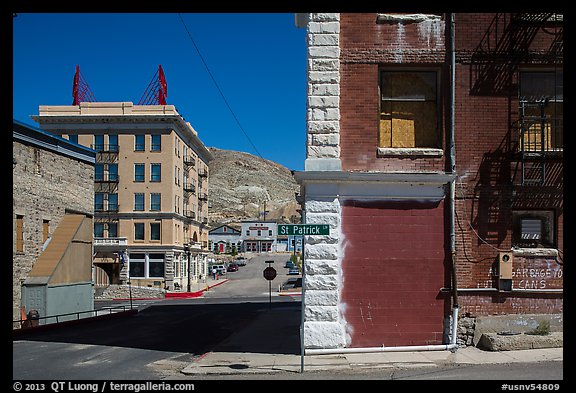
224, 239
258, 236
150, 190
52, 209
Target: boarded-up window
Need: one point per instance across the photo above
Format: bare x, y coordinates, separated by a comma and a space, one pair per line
408, 109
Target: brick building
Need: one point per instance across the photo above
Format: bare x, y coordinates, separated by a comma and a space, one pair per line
434, 151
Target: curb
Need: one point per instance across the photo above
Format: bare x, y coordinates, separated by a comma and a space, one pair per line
188, 295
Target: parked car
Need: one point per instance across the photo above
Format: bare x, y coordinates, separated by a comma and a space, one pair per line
293, 271
291, 283
289, 265
240, 261
232, 267
220, 269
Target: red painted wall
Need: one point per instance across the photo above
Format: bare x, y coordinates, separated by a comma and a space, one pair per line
393, 269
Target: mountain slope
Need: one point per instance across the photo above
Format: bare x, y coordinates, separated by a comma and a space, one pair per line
243, 185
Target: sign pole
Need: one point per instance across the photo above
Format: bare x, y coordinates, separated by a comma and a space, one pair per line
302, 308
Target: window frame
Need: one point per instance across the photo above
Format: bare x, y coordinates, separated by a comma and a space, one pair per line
155, 178
143, 226
136, 204
156, 146
424, 151
159, 229
137, 177
548, 231
137, 146
155, 205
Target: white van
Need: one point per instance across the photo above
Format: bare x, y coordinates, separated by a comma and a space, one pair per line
221, 269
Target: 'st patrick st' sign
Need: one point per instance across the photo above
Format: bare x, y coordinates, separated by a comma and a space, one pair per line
303, 229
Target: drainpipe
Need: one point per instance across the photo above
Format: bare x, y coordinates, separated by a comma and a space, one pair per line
452, 164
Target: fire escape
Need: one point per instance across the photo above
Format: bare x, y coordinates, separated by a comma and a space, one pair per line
514, 40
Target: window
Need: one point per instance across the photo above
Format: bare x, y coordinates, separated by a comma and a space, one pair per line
155, 231
138, 231
99, 172
99, 142
113, 202
99, 201
113, 143
99, 229
113, 172
19, 233
137, 264
259, 232
45, 230
155, 201
112, 229
156, 265
156, 143
139, 174
541, 99
139, 144
139, 201
408, 109
155, 172
270, 232
73, 138
533, 228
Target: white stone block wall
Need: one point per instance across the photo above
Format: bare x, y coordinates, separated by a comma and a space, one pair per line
322, 110
324, 326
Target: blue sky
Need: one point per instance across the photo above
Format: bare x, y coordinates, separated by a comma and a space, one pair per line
258, 60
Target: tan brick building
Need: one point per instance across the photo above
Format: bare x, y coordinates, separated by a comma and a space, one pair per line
151, 190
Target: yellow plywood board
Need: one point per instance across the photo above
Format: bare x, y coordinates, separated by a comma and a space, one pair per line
408, 124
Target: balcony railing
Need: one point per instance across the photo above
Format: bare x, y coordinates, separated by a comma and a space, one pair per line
203, 172
106, 177
105, 148
189, 160
203, 196
190, 187
110, 241
190, 214
100, 207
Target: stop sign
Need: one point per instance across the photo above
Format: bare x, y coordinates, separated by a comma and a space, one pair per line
269, 273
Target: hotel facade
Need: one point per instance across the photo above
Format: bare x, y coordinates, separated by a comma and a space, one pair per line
150, 190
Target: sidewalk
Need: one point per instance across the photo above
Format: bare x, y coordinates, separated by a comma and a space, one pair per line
271, 344
227, 363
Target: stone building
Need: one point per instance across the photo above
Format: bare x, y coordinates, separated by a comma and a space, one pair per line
150, 190
434, 151
53, 191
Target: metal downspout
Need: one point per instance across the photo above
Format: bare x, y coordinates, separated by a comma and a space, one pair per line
452, 164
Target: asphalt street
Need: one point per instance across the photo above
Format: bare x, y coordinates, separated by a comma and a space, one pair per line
164, 332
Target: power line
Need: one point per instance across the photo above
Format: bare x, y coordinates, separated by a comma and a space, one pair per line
218, 87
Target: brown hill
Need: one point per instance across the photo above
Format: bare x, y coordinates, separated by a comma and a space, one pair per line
242, 186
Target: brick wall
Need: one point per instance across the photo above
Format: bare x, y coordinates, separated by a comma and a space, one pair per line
488, 186
366, 46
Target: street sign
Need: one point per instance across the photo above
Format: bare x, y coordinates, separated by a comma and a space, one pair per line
303, 229
269, 273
